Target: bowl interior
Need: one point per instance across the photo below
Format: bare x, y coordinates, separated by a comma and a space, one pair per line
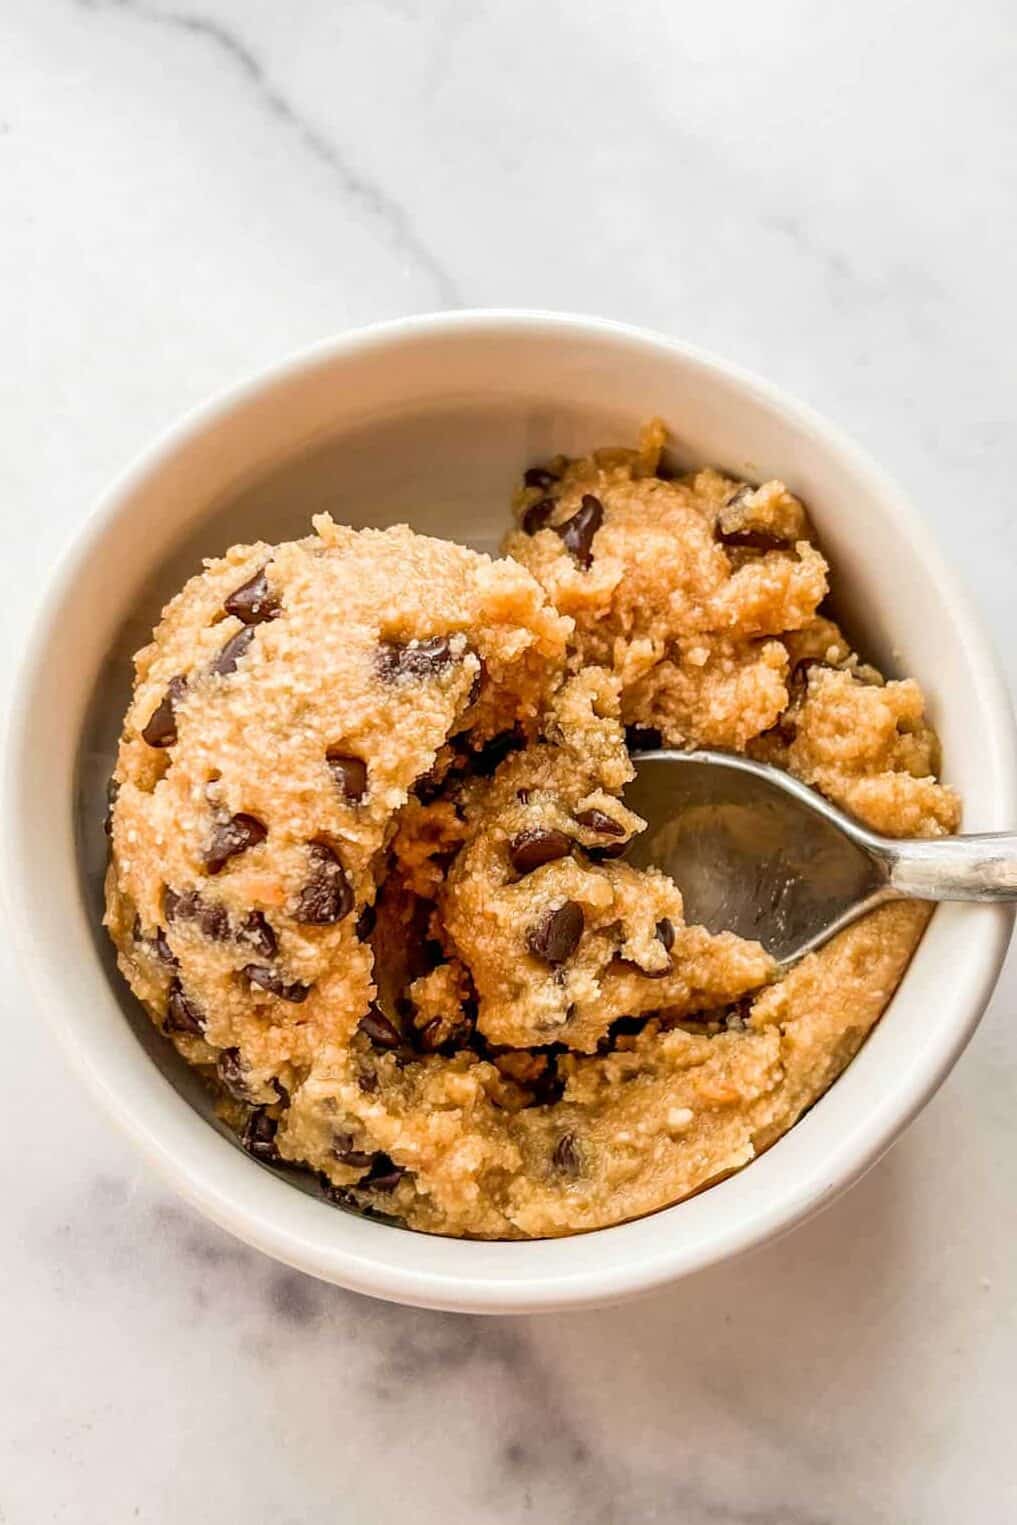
430, 423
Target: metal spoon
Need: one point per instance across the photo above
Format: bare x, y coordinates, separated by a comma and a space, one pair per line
754, 851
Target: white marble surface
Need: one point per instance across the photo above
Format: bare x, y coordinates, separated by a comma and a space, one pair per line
190, 188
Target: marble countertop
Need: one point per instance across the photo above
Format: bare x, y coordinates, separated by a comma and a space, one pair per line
190, 189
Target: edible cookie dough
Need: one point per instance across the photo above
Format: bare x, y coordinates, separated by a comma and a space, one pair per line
368, 838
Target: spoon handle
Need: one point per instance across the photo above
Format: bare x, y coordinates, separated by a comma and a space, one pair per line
953, 868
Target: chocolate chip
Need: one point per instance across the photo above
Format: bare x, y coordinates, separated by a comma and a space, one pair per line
433, 1035
232, 837
327, 896
647, 974
476, 686
643, 738
212, 919
538, 476
258, 1137
416, 659
161, 730
752, 540
112, 790
357, 1159
449, 1033
577, 533
182, 1015
350, 773
376, 1026
384, 1174
366, 922
185, 907
252, 602
597, 820
267, 978
785, 729
340, 1196
734, 527
606, 852
665, 932
232, 1074
566, 1156
226, 661
163, 952
256, 931
532, 849
523, 796
556, 936
538, 516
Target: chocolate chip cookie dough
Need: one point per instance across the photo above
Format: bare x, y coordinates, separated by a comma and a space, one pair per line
368, 839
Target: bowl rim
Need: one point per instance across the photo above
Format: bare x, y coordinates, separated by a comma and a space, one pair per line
207, 1180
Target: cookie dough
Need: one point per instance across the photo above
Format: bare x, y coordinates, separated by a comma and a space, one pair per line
367, 847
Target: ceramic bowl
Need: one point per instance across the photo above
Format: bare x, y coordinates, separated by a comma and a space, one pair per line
430, 420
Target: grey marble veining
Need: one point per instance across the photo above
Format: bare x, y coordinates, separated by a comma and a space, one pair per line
190, 190
373, 203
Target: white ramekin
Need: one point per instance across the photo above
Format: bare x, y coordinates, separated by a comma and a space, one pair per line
430, 419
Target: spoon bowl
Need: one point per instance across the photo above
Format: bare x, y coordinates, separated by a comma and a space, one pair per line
756, 852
